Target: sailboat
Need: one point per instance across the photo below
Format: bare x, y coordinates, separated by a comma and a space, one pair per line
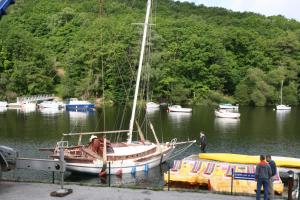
282, 106
122, 157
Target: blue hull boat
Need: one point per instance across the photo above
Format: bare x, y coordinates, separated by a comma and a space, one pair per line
80, 107
75, 104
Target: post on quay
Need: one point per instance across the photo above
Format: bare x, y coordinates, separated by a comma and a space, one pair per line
290, 184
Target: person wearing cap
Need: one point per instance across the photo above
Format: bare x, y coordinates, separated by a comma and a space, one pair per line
92, 137
95, 144
202, 142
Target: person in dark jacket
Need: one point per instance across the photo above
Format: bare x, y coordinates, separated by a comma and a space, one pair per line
202, 142
262, 176
271, 180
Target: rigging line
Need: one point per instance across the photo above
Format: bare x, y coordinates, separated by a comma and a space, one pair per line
122, 80
180, 151
149, 55
131, 82
127, 93
101, 13
155, 10
160, 119
103, 86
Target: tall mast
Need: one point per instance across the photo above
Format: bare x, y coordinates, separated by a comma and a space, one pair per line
138, 78
281, 92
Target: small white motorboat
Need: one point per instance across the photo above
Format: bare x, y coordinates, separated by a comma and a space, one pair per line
178, 108
228, 106
227, 114
283, 107
51, 104
3, 103
152, 105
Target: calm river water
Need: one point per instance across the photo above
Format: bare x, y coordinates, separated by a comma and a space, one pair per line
258, 131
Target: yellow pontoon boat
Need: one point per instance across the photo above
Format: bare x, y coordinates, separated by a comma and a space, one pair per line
286, 162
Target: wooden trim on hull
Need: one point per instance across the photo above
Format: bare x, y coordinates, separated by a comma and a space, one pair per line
75, 160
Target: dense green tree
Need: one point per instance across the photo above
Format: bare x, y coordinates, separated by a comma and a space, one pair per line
196, 54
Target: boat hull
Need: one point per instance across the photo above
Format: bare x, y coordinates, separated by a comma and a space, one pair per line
80, 106
283, 107
53, 105
120, 166
178, 108
227, 115
181, 110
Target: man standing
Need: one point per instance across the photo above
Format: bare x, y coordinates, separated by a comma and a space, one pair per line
271, 180
202, 142
262, 176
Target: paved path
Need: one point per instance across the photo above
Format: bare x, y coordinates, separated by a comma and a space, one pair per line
40, 191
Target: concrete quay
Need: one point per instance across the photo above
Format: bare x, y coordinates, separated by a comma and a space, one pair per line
41, 191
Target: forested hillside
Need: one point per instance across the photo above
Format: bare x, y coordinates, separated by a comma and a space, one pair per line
198, 54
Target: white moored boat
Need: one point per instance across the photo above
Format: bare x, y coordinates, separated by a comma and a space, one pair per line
282, 106
228, 106
178, 108
75, 104
227, 114
152, 105
123, 157
51, 104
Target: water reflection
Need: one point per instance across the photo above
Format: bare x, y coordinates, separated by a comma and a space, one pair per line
51, 111
79, 117
179, 116
179, 120
226, 124
282, 115
152, 111
27, 110
3, 109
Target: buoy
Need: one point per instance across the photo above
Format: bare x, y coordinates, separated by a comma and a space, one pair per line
119, 173
133, 170
209, 184
102, 173
146, 169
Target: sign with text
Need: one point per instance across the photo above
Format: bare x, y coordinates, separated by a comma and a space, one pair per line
244, 176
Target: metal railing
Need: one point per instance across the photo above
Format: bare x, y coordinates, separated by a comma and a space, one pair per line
35, 98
